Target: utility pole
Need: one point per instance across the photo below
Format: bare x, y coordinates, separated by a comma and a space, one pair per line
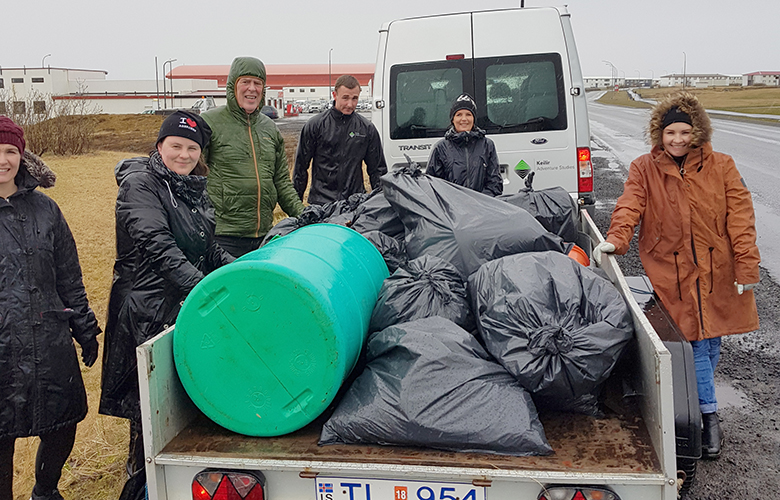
165, 92
330, 90
685, 64
157, 80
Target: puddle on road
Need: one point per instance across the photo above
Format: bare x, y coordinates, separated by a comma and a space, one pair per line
729, 396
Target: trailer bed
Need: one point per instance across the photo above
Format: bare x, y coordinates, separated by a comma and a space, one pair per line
582, 443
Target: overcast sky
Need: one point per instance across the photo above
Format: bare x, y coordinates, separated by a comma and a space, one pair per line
644, 39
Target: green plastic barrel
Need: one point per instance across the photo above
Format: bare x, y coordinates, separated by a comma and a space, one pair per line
262, 345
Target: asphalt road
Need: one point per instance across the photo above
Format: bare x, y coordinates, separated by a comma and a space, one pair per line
747, 376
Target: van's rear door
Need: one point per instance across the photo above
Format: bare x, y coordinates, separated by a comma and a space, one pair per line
426, 64
521, 70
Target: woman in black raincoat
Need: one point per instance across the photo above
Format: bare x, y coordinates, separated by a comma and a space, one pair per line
43, 307
465, 156
165, 246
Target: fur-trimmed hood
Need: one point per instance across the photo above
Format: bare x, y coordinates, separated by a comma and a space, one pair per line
688, 103
37, 169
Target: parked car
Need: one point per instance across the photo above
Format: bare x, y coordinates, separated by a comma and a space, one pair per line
270, 112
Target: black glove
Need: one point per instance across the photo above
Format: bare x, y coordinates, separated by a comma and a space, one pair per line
89, 352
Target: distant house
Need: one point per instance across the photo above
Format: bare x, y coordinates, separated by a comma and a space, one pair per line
700, 80
767, 78
598, 82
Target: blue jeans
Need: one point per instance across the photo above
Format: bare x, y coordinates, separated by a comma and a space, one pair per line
705, 357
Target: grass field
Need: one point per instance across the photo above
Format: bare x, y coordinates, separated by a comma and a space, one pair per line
86, 193
758, 100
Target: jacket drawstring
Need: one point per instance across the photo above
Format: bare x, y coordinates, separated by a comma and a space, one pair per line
712, 270
677, 270
173, 199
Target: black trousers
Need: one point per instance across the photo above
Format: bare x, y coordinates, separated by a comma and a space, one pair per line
135, 486
238, 246
53, 451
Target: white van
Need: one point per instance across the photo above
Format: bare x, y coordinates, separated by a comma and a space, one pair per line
522, 68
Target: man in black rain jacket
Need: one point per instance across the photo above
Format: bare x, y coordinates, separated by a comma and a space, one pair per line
338, 141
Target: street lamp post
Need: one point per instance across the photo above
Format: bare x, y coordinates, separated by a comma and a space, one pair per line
43, 61
165, 91
685, 64
157, 80
612, 74
330, 92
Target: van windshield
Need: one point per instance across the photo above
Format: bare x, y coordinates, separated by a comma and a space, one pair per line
513, 94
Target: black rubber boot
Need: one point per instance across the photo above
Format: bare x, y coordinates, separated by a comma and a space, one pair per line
711, 436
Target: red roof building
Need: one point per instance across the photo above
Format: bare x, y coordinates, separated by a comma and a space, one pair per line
281, 75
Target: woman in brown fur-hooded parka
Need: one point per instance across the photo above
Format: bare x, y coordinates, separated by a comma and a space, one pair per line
697, 240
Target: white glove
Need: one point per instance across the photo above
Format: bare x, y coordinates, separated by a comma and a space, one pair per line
744, 288
603, 247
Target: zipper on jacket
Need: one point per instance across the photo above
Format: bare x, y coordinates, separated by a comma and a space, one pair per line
698, 285
677, 270
257, 173
712, 270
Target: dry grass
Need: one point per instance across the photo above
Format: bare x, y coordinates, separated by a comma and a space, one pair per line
759, 100
621, 98
136, 133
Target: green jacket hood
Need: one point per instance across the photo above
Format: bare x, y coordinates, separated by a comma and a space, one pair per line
243, 66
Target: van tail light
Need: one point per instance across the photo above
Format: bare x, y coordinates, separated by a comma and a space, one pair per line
228, 485
577, 493
584, 171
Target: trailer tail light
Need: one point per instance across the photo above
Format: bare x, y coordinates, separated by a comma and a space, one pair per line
584, 171
577, 493
228, 485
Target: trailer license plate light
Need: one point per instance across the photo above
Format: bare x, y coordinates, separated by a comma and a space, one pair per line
341, 488
577, 493
228, 485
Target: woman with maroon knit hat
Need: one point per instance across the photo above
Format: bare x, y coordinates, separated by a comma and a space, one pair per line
43, 307
697, 239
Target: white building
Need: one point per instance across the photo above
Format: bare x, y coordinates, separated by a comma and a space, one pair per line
700, 80
20, 86
767, 78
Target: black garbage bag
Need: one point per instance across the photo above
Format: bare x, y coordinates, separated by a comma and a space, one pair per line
429, 383
337, 212
313, 214
425, 287
392, 250
552, 207
460, 225
376, 214
555, 325
282, 228
342, 212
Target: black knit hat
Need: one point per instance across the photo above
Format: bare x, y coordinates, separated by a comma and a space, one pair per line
464, 101
675, 115
187, 125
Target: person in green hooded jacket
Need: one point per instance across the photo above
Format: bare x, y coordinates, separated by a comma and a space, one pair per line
248, 166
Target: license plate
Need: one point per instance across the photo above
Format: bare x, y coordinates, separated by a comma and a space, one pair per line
338, 488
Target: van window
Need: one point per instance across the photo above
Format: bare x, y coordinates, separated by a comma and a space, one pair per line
421, 96
520, 93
